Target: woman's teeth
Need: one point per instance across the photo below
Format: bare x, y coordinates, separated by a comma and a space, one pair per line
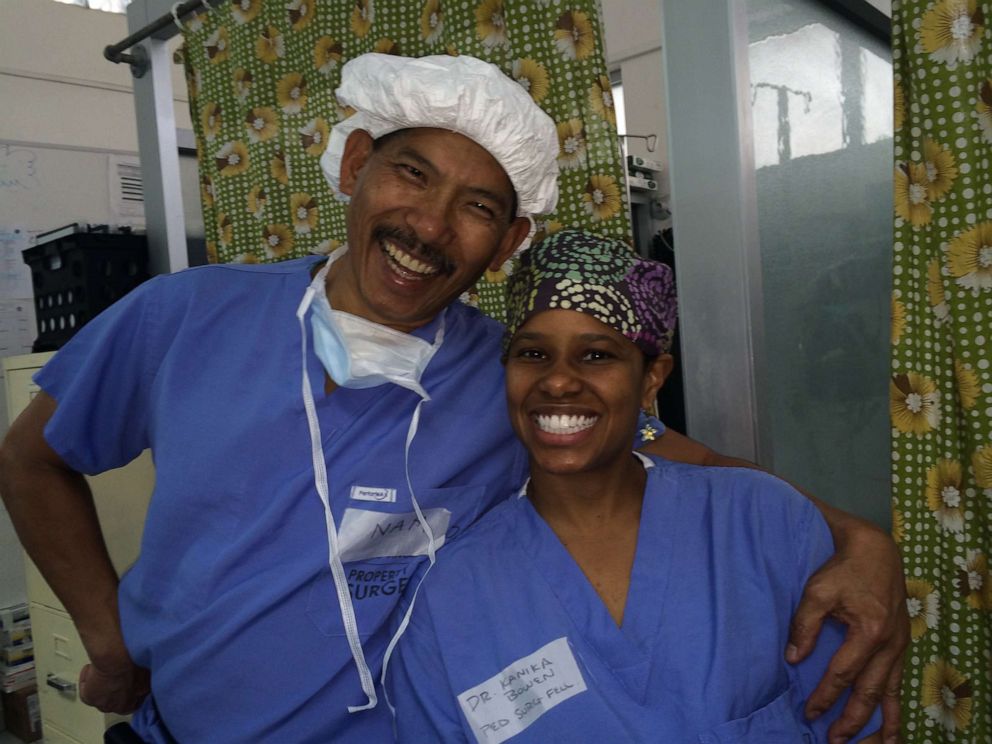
559, 424
408, 262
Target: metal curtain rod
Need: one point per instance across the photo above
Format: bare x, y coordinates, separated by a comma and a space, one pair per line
138, 59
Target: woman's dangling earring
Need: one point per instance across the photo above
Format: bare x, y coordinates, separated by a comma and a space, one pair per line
648, 432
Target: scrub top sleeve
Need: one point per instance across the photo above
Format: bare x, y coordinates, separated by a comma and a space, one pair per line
816, 546
101, 381
424, 707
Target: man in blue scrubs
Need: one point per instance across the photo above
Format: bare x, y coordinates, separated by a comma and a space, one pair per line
310, 460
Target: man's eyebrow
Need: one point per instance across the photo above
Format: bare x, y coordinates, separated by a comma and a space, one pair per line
410, 154
501, 201
479, 192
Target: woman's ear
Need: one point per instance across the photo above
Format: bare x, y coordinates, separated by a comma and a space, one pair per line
655, 374
357, 150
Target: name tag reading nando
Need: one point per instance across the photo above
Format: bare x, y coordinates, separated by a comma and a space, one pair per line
507, 703
365, 533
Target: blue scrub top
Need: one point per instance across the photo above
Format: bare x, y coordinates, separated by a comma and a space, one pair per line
231, 603
509, 640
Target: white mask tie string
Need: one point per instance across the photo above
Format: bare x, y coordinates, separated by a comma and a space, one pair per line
321, 482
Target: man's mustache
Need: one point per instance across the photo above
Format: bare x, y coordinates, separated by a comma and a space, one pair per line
426, 251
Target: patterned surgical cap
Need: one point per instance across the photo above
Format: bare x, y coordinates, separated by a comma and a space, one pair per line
601, 277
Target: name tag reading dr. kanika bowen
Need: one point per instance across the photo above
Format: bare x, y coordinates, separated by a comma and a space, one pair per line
507, 703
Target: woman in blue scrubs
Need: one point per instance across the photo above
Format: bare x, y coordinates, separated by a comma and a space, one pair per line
617, 597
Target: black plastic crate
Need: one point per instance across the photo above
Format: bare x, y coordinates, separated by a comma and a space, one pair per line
79, 274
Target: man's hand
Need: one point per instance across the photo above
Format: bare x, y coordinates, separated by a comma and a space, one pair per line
53, 513
862, 586
111, 682
115, 690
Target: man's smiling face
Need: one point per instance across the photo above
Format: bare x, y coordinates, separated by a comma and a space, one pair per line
430, 211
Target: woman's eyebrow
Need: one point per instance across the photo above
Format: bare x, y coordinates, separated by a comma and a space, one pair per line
584, 337
528, 336
597, 337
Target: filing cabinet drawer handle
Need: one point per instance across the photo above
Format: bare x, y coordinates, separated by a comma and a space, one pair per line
62, 685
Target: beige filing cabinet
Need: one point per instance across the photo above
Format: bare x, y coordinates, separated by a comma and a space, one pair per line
121, 498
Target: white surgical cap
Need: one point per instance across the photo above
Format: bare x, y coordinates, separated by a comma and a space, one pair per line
462, 94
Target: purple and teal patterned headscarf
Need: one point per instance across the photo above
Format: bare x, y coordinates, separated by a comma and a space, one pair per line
601, 277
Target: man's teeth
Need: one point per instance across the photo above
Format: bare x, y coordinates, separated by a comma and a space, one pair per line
408, 262
558, 424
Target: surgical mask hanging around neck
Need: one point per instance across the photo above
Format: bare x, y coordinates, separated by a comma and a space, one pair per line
357, 353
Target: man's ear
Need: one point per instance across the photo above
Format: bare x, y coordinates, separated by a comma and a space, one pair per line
654, 377
357, 150
515, 235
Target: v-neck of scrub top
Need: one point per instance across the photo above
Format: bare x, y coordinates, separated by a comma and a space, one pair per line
626, 650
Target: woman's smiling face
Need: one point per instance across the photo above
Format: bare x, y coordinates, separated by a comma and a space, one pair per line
574, 387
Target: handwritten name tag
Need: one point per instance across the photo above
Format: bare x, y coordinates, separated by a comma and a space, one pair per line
365, 534
507, 703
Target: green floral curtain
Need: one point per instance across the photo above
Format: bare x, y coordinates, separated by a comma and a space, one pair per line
941, 386
261, 77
